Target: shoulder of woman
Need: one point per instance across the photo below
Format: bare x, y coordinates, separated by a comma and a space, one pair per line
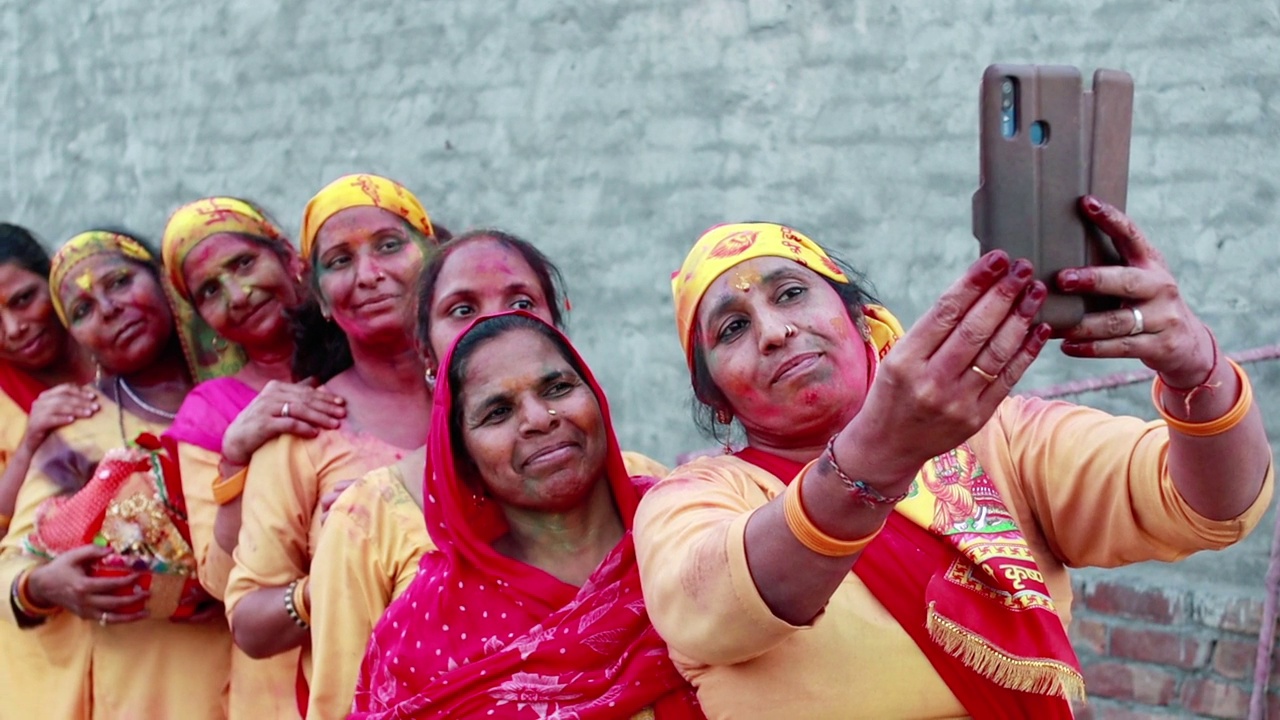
639, 464
717, 472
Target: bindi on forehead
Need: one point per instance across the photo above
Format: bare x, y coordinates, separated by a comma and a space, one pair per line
744, 278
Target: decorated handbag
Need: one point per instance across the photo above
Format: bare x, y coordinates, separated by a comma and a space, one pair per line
133, 504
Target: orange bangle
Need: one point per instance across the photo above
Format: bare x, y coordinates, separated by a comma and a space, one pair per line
809, 535
24, 602
226, 490
4, 522
1230, 419
300, 600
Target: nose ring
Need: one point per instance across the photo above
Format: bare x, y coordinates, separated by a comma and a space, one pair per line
790, 330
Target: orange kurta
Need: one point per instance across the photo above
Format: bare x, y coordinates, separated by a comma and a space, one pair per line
152, 668
1086, 488
260, 689
281, 518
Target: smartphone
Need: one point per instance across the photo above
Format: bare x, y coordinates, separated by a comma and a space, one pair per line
1045, 141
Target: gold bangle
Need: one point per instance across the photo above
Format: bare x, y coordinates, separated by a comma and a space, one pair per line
300, 600
808, 534
226, 490
25, 604
1230, 419
4, 523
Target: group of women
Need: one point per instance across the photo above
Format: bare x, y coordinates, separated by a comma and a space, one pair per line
403, 495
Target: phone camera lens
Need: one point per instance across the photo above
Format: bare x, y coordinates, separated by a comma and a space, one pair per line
1007, 87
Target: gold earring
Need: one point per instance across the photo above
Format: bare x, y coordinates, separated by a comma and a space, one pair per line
723, 417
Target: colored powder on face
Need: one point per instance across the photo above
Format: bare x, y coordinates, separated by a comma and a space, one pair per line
84, 281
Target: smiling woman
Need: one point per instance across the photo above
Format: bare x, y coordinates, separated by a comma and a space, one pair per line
42, 387
364, 241
894, 498
374, 536
108, 659
532, 606
235, 281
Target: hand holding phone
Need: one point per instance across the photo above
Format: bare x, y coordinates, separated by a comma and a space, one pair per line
1044, 142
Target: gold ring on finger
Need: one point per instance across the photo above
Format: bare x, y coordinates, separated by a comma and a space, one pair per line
983, 373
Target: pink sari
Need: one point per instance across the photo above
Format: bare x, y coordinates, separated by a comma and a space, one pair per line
208, 410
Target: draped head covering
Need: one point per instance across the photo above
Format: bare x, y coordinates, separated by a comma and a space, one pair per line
208, 355
351, 191
84, 246
478, 632
725, 246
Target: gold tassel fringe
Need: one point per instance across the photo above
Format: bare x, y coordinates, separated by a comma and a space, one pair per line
1040, 676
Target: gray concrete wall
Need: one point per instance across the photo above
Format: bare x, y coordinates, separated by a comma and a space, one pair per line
612, 133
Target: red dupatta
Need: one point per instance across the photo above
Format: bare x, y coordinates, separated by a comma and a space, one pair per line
20, 387
478, 634
963, 622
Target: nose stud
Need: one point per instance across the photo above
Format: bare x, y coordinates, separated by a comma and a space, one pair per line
551, 411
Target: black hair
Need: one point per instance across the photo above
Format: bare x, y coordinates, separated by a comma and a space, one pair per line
20, 247
320, 348
549, 278
707, 398
487, 329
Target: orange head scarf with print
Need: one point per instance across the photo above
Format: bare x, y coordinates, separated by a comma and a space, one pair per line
725, 246
208, 355
86, 245
351, 191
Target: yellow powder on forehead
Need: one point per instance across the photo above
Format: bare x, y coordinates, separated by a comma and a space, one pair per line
84, 280
743, 279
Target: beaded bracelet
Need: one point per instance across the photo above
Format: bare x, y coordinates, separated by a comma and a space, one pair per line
226, 490
292, 609
809, 535
23, 602
861, 491
1210, 428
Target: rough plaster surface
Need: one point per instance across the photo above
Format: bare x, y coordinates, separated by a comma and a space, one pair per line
612, 133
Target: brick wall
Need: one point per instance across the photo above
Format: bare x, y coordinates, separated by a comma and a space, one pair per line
1167, 652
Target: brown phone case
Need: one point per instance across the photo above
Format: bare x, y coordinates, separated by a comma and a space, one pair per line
1026, 202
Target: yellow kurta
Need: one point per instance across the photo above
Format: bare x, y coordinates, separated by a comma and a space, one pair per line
1086, 488
260, 689
281, 519
369, 551
147, 669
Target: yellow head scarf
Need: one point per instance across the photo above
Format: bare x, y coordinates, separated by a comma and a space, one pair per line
208, 355
83, 246
193, 222
724, 246
351, 191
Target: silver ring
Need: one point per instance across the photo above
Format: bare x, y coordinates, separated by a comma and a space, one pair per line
983, 373
103, 620
284, 411
1138, 325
